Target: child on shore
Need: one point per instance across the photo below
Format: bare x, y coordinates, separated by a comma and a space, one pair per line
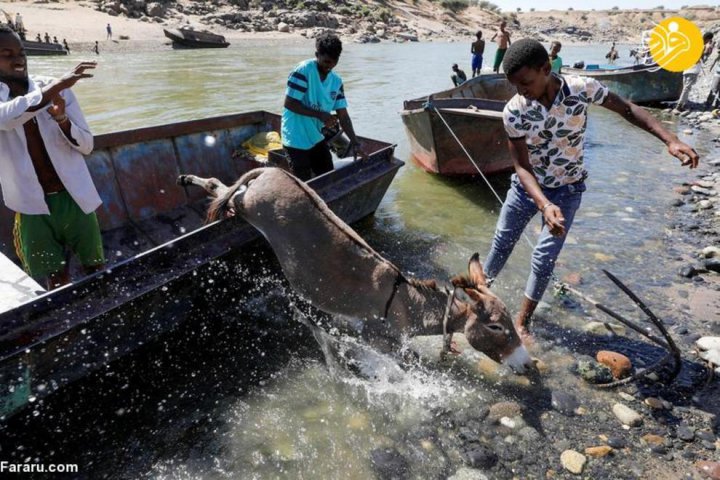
545, 122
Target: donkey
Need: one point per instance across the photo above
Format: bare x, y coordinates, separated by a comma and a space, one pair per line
330, 265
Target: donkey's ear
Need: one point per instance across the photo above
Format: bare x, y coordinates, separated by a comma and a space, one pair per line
477, 276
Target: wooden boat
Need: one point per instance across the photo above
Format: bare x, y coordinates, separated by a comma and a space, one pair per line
643, 84
473, 111
155, 239
188, 38
43, 48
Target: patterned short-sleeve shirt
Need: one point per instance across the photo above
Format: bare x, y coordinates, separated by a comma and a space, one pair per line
555, 136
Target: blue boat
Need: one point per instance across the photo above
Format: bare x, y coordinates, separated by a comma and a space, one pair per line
642, 84
155, 240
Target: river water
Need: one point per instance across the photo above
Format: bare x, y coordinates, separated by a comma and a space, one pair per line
225, 401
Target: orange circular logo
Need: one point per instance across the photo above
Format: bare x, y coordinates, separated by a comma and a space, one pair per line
676, 44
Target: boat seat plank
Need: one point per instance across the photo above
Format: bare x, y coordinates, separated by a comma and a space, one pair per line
146, 173
472, 112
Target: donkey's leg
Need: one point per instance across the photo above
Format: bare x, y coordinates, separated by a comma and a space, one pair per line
212, 186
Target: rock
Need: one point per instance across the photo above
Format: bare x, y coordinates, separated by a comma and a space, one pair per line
619, 364
655, 403
468, 474
283, 27
564, 402
594, 372
709, 469
599, 451
704, 204
573, 461
617, 442
651, 439
685, 433
513, 423
709, 348
626, 396
481, 457
388, 463
598, 328
155, 9
711, 252
504, 409
627, 415
688, 131
703, 191
712, 264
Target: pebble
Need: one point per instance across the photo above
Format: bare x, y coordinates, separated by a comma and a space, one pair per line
573, 461
598, 328
626, 396
564, 402
599, 451
389, 463
594, 372
617, 442
655, 403
709, 469
481, 457
619, 364
651, 439
504, 409
705, 435
468, 474
627, 415
710, 252
685, 433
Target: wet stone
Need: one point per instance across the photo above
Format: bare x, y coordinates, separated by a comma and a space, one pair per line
504, 409
617, 442
685, 433
388, 463
688, 455
480, 456
619, 364
627, 415
652, 440
563, 402
508, 453
572, 461
658, 449
709, 469
594, 372
705, 435
709, 445
468, 474
654, 403
599, 451
468, 435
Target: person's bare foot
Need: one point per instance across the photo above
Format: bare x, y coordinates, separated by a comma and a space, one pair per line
524, 334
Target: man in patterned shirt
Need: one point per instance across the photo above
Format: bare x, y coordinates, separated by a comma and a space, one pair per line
313, 92
545, 122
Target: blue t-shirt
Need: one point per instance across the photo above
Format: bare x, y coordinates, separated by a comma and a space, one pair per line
304, 84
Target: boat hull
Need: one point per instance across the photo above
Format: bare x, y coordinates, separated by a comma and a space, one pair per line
193, 39
33, 48
642, 84
445, 125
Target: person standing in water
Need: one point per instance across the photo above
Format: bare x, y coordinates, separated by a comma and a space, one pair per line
477, 49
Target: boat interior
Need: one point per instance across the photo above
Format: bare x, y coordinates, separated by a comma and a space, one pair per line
484, 92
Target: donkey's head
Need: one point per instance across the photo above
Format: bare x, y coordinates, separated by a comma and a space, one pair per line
488, 325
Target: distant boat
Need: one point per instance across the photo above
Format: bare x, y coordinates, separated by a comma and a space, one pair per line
473, 111
43, 48
188, 38
645, 84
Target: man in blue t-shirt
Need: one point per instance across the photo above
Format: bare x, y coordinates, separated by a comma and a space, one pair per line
313, 92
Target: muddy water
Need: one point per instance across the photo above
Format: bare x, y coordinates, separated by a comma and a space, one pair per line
247, 392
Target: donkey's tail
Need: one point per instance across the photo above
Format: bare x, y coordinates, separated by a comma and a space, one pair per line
221, 205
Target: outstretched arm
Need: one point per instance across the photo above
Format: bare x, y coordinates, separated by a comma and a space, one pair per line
640, 118
521, 160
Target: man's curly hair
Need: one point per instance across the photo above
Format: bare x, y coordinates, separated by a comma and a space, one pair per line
525, 52
329, 44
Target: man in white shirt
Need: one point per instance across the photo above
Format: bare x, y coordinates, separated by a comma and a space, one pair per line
43, 174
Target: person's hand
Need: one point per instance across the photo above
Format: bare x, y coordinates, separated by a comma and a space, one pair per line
72, 77
555, 220
358, 151
329, 120
57, 109
683, 152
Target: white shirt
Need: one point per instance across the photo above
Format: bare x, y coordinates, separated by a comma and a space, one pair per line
21, 189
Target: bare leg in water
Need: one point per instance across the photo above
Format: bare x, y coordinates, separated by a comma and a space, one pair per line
523, 318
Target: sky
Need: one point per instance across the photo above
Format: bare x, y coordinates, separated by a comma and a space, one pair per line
512, 5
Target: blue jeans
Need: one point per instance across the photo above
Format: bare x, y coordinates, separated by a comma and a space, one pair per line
516, 213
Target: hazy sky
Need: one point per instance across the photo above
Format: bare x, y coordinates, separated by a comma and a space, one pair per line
596, 4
